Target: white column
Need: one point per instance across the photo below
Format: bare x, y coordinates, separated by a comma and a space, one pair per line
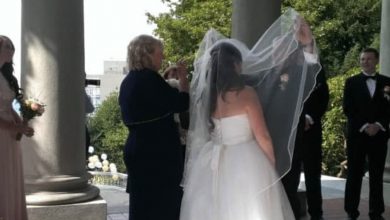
385, 34
385, 69
53, 71
251, 18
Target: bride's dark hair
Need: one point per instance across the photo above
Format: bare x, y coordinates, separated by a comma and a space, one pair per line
8, 69
225, 58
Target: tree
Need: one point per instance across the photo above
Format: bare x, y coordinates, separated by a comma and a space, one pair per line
340, 32
108, 133
183, 27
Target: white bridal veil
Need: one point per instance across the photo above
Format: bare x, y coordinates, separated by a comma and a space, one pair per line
277, 67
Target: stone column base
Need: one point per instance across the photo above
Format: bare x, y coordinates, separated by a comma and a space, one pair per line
59, 198
386, 192
91, 210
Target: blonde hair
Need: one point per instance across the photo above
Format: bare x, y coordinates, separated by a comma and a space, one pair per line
139, 51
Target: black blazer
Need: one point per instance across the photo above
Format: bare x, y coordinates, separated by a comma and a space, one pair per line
360, 108
315, 106
152, 152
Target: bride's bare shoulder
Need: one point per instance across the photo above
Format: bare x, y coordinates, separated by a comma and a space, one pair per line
248, 92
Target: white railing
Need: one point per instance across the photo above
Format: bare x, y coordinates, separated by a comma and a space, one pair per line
108, 178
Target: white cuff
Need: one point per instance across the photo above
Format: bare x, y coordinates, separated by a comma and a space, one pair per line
379, 124
174, 83
310, 119
363, 127
310, 58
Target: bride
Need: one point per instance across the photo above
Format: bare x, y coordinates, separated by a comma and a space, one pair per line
245, 106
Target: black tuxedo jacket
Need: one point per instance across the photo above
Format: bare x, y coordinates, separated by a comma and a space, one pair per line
315, 106
360, 108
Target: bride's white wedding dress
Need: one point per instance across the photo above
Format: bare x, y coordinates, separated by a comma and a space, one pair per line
232, 178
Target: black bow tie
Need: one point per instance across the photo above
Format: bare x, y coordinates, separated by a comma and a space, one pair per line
369, 77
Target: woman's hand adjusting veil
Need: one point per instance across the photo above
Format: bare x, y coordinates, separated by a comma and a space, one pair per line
182, 75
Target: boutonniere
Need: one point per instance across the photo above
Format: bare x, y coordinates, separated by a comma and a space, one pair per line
386, 92
284, 78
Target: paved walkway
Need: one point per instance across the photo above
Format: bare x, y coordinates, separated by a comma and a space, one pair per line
332, 190
333, 199
117, 202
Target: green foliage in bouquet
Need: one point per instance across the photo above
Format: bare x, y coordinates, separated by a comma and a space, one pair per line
31, 108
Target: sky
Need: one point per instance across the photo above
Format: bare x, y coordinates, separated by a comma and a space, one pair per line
109, 27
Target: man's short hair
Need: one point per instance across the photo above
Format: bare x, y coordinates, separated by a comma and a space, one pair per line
371, 50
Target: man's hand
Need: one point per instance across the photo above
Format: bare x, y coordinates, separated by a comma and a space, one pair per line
372, 129
182, 75
307, 124
303, 34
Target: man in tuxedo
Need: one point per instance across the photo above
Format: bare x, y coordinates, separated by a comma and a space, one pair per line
308, 151
367, 107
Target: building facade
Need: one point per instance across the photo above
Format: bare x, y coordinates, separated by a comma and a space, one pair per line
99, 87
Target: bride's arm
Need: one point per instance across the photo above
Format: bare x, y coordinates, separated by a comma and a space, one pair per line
257, 123
16, 117
20, 127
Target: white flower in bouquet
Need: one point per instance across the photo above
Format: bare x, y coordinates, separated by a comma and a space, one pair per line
115, 177
105, 168
103, 156
91, 165
105, 163
91, 149
29, 109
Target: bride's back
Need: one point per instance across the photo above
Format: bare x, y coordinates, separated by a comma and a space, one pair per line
233, 103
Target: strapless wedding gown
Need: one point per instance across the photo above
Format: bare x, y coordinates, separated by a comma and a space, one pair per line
232, 178
12, 198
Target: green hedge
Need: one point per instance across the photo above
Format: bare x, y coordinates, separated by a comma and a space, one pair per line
334, 124
108, 133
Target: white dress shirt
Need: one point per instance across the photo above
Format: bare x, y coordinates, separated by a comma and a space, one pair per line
371, 85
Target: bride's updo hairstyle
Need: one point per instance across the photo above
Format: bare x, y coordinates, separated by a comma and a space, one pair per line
8, 69
139, 51
225, 60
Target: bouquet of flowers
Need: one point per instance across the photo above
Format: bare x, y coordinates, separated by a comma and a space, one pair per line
29, 109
